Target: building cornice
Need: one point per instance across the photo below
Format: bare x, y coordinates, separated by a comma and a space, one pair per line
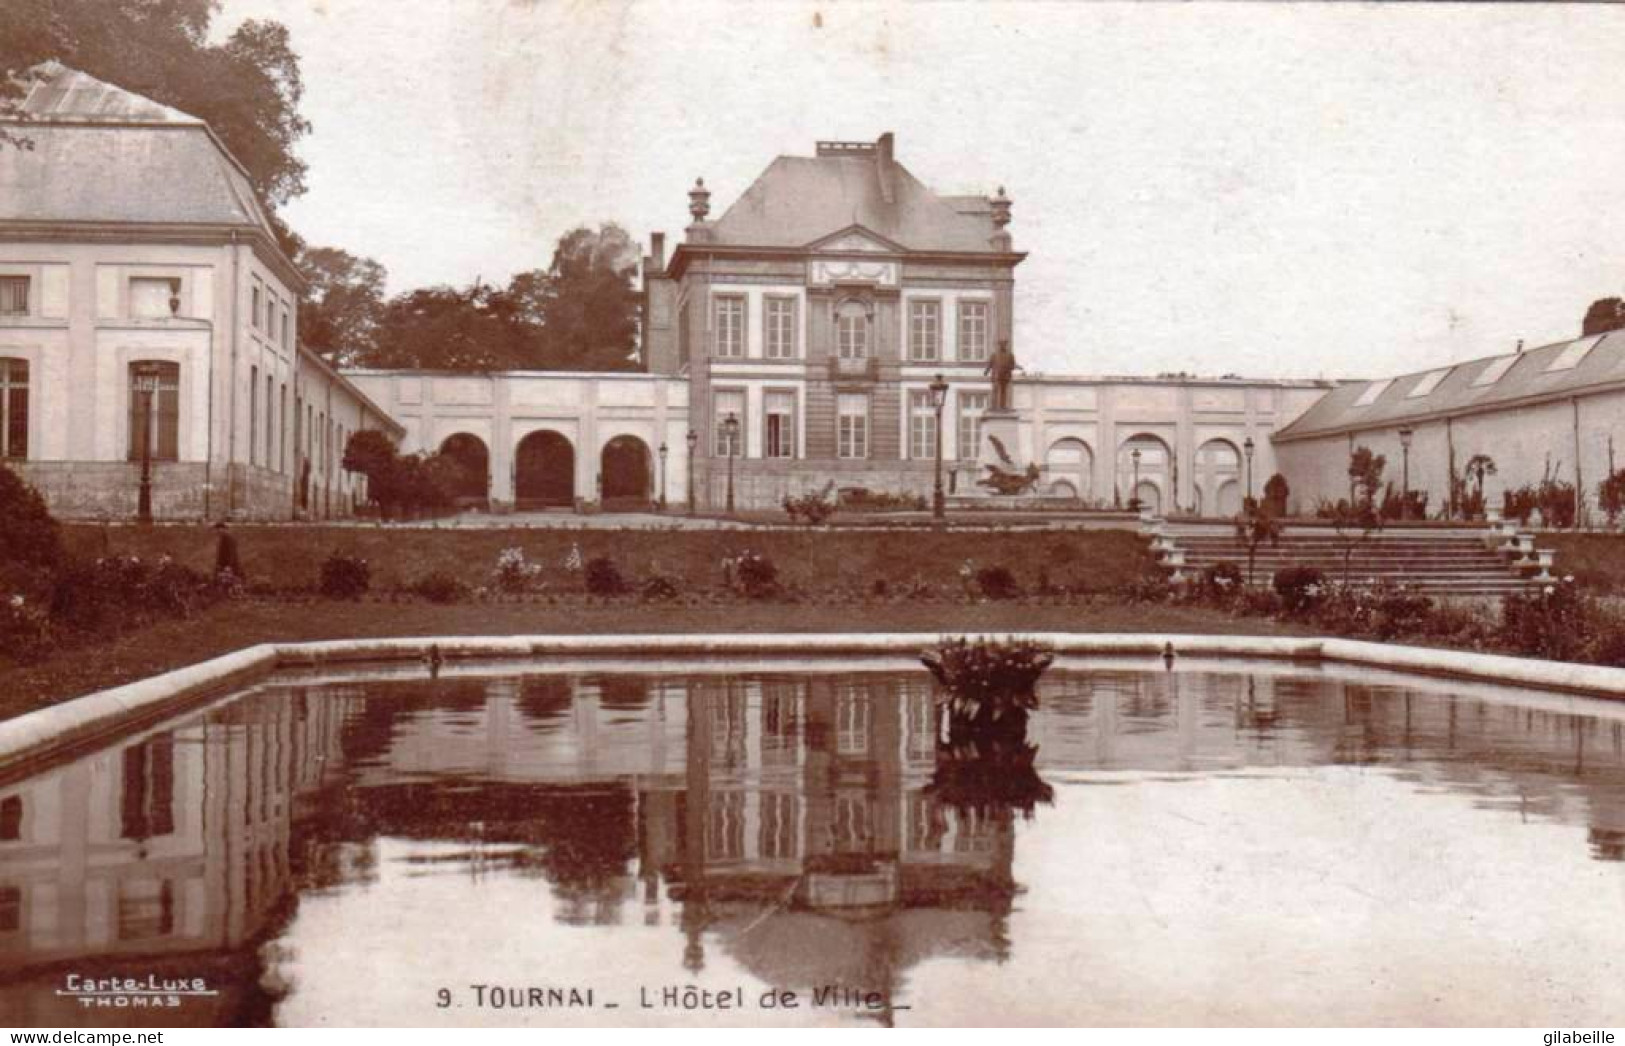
202, 234
686, 252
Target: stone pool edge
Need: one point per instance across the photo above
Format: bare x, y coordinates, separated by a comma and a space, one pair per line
46, 732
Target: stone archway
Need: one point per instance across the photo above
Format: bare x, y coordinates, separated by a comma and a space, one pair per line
474, 457
1218, 478
1069, 463
626, 471
544, 471
1149, 476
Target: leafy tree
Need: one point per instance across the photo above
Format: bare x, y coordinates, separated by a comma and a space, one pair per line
1365, 476
340, 317
1255, 527
1276, 492
247, 88
443, 328
586, 303
1611, 496
1605, 314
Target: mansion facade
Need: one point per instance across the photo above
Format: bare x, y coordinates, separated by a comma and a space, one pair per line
790, 342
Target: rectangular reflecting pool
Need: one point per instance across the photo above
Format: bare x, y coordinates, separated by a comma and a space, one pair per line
788, 842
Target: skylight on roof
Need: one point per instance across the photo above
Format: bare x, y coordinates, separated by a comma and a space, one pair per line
1372, 391
1495, 371
1428, 383
1571, 356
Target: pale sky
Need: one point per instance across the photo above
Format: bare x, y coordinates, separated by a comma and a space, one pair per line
1284, 190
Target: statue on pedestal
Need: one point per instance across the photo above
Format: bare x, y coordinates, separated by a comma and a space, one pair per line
1002, 367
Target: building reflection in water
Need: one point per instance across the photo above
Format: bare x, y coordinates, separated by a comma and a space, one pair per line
787, 822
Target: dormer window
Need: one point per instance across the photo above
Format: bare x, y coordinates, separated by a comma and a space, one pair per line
852, 331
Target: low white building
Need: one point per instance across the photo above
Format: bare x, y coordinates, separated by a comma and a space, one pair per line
146, 310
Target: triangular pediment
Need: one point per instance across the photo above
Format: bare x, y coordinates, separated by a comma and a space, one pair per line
856, 238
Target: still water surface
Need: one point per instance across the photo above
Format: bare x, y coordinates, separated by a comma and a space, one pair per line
1223, 843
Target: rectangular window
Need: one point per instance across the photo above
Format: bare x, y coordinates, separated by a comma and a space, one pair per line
730, 326
922, 426
779, 434
270, 419
282, 444
287, 329
254, 313
149, 297
730, 402
13, 408
779, 328
852, 425
852, 331
253, 415
973, 331
147, 802
924, 331
155, 410
971, 406
13, 295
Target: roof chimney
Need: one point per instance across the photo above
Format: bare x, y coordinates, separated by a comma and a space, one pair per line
657, 251
884, 147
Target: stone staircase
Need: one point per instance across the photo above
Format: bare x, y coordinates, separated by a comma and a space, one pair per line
1448, 561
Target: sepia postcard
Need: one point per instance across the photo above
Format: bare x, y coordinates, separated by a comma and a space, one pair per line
559, 514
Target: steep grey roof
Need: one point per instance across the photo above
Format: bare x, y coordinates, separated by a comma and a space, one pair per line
57, 92
799, 200
103, 154
1491, 381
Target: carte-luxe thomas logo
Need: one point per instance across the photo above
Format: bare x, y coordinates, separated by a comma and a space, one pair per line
149, 992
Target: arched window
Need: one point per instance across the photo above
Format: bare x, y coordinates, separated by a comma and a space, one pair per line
852, 331
13, 408
155, 409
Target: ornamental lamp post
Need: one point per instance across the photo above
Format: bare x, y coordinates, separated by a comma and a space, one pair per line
1247, 449
663, 476
146, 386
730, 430
939, 396
1405, 435
693, 440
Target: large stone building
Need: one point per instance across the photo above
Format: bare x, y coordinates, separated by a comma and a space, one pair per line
145, 308
816, 312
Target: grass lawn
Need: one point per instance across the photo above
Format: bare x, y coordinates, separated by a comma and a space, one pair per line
232, 626
290, 557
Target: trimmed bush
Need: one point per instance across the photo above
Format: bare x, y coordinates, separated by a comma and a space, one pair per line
1300, 588
658, 588
997, 582
812, 508
31, 536
1219, 582
754, 575
439, 587
345, 577
603, 577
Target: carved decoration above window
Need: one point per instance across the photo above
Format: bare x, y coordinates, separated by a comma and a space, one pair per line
828, 271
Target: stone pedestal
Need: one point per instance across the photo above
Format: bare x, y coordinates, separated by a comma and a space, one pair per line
1000, 425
